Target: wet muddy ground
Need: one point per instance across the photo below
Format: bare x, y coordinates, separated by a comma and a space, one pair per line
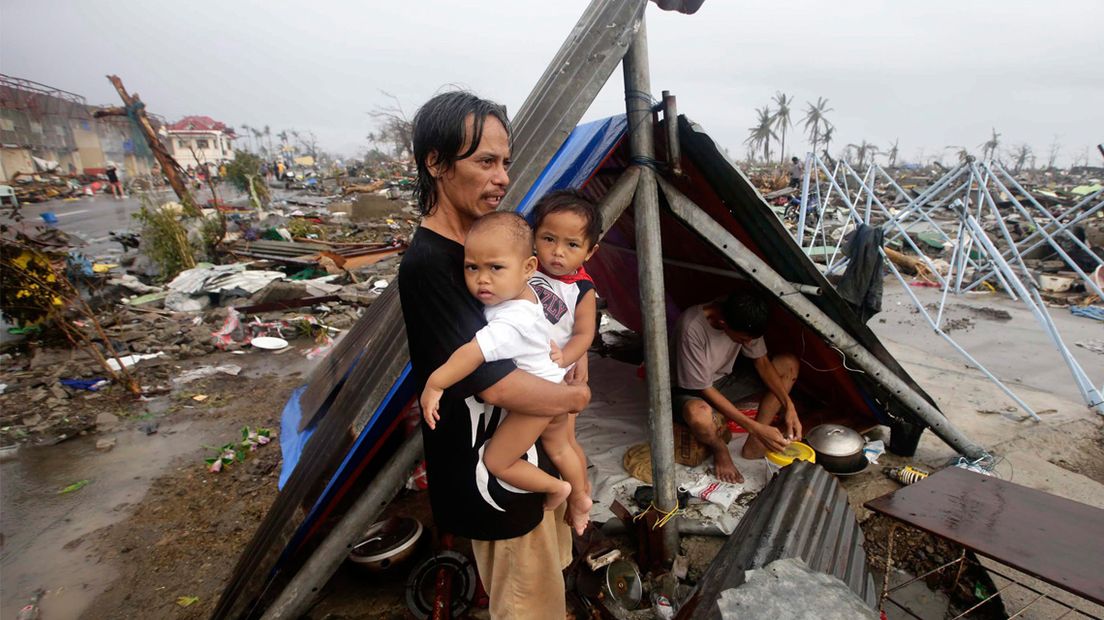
150, 523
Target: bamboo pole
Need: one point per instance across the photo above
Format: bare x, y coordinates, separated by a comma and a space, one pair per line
649, 248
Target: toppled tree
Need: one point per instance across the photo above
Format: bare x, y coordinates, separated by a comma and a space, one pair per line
135, 109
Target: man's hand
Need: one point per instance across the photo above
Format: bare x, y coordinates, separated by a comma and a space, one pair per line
770, 436
556, 354
430, 401
583, 390
792, 423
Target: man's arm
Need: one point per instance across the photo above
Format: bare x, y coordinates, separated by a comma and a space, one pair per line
522, 391
771, 437
769, 375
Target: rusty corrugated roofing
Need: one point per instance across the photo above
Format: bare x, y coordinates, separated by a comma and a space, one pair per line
802, 513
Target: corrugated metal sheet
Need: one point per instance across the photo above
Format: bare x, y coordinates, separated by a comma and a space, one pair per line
565, 91
802, 513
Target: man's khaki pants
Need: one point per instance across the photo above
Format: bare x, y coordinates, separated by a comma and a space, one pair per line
524, 575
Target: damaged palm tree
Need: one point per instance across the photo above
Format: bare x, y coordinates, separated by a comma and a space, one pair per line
135, 109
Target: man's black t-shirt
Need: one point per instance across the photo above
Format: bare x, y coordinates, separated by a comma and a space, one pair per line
440, 316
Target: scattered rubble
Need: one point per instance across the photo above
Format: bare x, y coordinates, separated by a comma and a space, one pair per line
299, 269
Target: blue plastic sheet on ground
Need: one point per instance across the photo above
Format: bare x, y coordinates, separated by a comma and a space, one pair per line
92, 385
292, 440
1089, 312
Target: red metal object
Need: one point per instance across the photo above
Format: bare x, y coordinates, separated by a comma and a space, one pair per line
442, 600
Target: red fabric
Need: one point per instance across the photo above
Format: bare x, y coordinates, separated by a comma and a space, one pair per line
571, 278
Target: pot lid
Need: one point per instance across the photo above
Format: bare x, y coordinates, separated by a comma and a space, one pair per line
835, 440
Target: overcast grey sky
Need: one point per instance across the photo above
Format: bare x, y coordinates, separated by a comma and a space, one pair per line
930, 73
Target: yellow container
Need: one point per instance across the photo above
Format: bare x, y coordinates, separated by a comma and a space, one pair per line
796, 451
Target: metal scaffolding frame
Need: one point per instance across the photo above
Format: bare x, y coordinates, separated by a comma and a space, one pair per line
971, 192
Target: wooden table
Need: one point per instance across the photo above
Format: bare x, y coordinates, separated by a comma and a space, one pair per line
1055, 539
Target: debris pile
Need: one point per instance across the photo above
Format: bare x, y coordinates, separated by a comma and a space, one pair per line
290, 275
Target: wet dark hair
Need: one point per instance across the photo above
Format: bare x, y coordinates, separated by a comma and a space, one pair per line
570, 201
509, 227
746, 311
439, 127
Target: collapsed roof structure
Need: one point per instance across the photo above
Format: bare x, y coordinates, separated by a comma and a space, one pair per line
681, 226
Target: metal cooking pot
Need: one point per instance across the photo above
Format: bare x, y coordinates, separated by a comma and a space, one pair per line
838, 448
386, 543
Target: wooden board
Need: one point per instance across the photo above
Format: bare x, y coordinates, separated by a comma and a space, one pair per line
1055, 539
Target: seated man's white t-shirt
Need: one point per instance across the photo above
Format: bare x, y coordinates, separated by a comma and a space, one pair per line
705, 355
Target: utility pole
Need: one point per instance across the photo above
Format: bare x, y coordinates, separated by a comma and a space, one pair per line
135, 109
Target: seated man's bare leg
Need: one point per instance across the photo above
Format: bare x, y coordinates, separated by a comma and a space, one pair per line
698, 415
557, 445
503, 458
787, 366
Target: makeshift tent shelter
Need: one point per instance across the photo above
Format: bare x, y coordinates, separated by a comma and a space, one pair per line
359, 448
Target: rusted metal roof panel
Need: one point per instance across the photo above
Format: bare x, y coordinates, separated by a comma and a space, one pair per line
803, 513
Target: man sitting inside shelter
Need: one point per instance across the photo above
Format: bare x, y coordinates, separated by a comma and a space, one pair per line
707, 341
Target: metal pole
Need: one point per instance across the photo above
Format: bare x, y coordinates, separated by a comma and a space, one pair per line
908, 239
649, 247
618, 198
297, 597
1049, 239
808, 312
963, 352
809, 163
1042, 229
1031, 297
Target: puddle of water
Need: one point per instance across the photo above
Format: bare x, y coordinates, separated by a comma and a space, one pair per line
45, 542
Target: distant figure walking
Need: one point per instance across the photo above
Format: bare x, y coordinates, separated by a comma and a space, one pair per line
113, 182
797, 171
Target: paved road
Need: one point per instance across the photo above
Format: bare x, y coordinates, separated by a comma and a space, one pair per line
90, 218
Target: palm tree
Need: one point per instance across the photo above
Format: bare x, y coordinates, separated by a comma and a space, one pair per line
989, 147
891, 154
961, 152
782, 120
761, 134
826, 139
268, 136
861, 151
246, 129
257, 138
1022, 155
815, 122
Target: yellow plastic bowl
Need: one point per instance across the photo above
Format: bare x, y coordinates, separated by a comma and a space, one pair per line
796, 451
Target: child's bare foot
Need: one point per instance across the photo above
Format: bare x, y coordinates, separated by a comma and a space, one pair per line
578, 513
554, 499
